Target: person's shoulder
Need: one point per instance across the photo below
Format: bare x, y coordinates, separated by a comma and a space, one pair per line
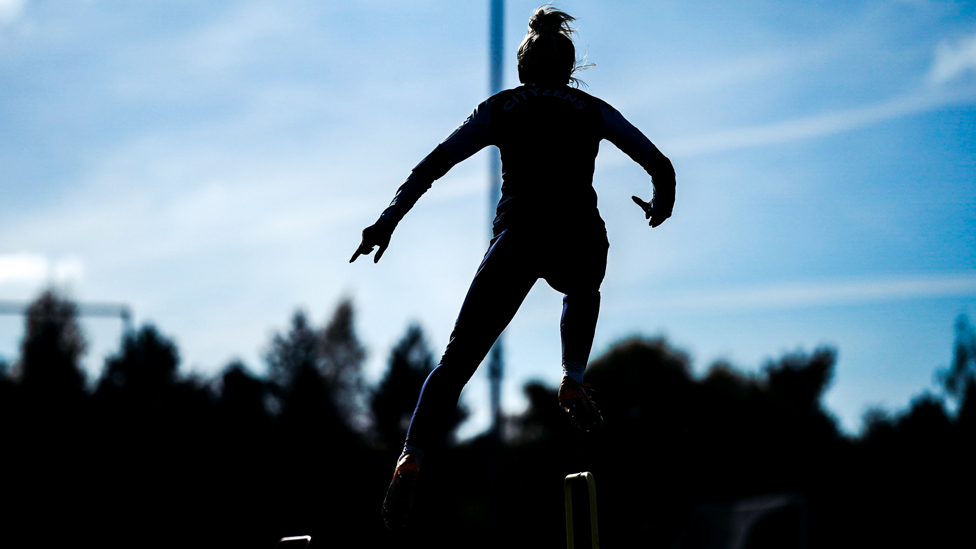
501, 96
582, 93
583, 97
598, 101
510, 98
486, 105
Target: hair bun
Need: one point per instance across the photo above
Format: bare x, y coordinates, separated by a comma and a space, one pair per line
548, 19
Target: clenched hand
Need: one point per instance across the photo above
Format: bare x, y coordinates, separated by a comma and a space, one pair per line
652, 212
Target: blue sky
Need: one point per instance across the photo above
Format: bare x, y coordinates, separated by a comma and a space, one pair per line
212, 165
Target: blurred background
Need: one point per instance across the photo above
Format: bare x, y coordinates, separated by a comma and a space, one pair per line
209, 167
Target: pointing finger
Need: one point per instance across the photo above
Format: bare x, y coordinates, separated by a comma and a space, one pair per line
361, 250
646, 206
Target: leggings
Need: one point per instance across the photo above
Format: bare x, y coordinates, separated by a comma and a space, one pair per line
573, 264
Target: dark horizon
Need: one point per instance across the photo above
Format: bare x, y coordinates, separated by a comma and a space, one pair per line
240, 461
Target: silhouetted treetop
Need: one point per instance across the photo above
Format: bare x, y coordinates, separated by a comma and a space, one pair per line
641, 377
293, 352
644, 350
543, 420
394, 398
926, 420
962, 372
723, 377
342, 353
340, 363
315, 375
52, 347
242, 396
146, 365
799, 380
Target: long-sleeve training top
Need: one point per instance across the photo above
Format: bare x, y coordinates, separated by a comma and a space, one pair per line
549, 137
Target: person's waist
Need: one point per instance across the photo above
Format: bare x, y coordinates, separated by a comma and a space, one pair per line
548, 220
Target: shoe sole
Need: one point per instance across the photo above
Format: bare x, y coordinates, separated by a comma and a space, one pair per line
578, 414
394, 506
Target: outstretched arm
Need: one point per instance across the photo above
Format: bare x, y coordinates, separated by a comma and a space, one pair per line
469, 138
638, 147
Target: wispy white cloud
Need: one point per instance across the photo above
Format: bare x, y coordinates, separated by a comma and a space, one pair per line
952, 60
842, 292
818, 125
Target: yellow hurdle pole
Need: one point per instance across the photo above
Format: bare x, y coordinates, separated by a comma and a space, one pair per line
568, 489
294, 542
591, 489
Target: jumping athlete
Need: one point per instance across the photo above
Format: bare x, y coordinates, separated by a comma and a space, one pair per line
546, 226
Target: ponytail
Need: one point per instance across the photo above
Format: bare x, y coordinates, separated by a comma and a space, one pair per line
547, 54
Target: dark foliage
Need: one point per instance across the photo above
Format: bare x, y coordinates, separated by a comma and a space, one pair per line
962, 373
152, 457
394, 398
52, 347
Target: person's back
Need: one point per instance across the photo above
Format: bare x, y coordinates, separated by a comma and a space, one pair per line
548, 137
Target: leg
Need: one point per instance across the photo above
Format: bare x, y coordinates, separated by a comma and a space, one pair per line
577, 270
498, 289
580, 311
578, 324
502, 282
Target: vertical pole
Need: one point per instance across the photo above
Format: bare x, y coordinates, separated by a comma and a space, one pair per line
495, 49
126, 315
496, 46
568, 491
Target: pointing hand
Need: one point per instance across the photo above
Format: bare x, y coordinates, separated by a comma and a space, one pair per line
377, 234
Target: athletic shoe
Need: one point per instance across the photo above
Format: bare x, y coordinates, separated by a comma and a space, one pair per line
574, 398
400, 495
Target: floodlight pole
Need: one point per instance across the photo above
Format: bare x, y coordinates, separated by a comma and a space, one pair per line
112, 310
495, 48
496, 44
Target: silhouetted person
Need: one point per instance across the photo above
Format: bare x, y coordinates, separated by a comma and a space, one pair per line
546, 226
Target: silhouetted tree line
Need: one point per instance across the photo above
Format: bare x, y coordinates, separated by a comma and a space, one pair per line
145, 456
